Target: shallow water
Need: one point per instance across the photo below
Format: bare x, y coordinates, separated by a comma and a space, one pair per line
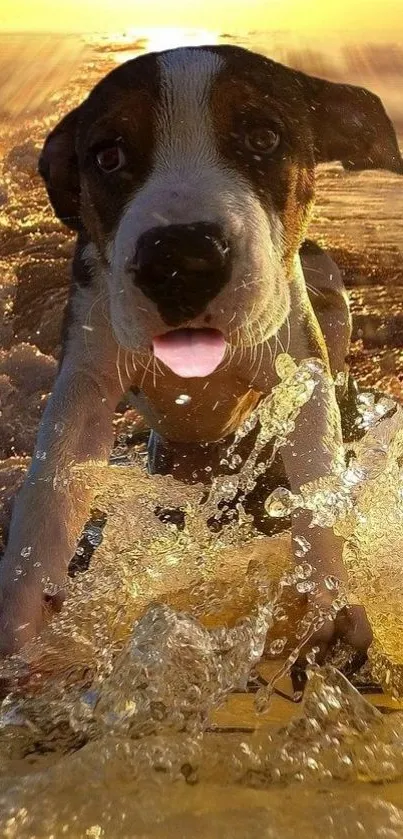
314, 775
137, 712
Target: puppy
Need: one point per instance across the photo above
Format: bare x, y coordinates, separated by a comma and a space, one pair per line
189, 178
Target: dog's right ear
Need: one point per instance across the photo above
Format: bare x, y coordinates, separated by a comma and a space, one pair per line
59, 169
350, 124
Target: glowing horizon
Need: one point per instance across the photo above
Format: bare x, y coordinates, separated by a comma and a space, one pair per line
229, 15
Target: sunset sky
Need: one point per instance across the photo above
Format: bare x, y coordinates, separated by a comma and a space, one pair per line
231, 15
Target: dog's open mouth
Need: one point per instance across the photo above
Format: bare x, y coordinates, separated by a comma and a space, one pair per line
190, 352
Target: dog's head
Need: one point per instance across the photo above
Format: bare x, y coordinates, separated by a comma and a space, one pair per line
192, 173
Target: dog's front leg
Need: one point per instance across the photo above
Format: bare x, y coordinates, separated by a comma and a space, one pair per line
53, 504
313, 449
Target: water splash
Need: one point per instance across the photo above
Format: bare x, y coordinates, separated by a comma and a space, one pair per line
162, 781
122, 689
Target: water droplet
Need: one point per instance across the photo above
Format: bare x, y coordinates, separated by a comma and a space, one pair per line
94, 832
281, 503
277, 646
26, 551
285, 366
311, 656
279, 613
332, 583
263, 698
306, 587
370, 411
314, 365
354, 475
338, 604
183, 399
304, 545
341, 379
303, 571
51, 589
229, 489
311, 763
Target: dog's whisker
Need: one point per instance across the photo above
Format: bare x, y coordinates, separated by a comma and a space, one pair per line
280, 342
87, 326
157, 371
315, 291
228, 357
118, 369
126, 367
231, 351
254, 353
275, 350
146, 369
158, 367
253, 348
141, 364
261, 351
260, 360
309, 269
146, 365
133, 363
288, 334
103, 295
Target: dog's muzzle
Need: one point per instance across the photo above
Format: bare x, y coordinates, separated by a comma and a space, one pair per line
181, 268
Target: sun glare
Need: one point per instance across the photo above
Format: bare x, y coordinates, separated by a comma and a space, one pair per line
161, 38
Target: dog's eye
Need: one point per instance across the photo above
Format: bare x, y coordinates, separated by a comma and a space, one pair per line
262, 140
110, 158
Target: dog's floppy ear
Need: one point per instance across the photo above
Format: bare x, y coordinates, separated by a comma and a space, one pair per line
350, 124
58, 167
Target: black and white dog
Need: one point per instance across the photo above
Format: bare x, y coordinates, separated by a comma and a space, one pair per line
189, 177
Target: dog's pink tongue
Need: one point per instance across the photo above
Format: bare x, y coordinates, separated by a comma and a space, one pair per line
190, 352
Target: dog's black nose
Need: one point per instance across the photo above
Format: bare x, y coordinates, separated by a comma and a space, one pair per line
181, 268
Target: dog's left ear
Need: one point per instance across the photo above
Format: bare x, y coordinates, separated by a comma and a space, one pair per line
350, 124
59, 169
